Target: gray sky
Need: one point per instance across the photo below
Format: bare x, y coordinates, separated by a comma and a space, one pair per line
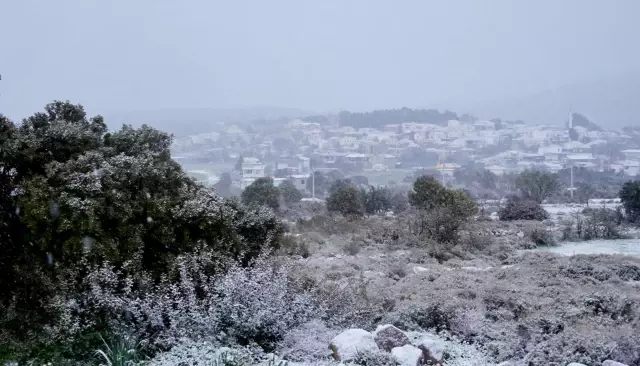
318, 55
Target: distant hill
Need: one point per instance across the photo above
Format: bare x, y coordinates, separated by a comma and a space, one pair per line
612, 103
189, 121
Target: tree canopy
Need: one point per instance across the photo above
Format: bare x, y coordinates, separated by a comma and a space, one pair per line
262, 192
74, 196
537, 185
379, 118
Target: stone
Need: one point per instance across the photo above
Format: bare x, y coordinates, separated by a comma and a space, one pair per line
418, 269
346, 345
520, 234
612, 363
388, 337
432, 349
407, 355
576, 364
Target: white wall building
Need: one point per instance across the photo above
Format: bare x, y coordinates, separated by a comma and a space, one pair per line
252, 169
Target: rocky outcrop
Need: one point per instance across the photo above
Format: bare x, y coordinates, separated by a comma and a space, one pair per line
388, 337
612, 363
347, 345
407, 355
432, 349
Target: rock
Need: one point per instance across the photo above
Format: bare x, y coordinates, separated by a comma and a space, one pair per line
432, 349
418, 269
388, 337
576, 364
520, 234
612, 363
407, 355
346, 345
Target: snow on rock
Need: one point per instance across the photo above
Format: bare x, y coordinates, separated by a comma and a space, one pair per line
612, 363
346, 345
432, 349
407, 355
388, 337
418, 269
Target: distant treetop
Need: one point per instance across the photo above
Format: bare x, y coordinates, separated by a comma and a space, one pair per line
380, 118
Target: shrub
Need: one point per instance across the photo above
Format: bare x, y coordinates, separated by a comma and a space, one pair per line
374, 359
347, 201
542, 237
256, 304
352, 247
441, 211
536, 185
522, 209
630, 198
262, 192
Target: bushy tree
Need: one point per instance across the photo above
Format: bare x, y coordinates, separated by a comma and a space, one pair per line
630, 197
290, 194
223, 186
537, 185
262, 192
376, 199
522, 209
442, 211
347, 201
75, 196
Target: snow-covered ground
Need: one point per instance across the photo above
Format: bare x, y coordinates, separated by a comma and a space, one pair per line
622, 246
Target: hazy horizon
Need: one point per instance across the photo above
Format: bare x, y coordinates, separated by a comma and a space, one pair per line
322, 56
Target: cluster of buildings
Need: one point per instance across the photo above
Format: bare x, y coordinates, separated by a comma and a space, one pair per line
294, 149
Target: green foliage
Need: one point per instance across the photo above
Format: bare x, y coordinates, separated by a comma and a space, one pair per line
73, 197
379, 118
630, 197
290, 194
522, 209
536, 185
376, 200
262, 192
223, 186
442, 211
125, 351
238, 166
347, 201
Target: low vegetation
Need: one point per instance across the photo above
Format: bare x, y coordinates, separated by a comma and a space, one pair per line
112, 255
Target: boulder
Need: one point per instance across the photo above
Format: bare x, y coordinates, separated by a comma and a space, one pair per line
418, 269
432, 349
388, 337
407, 355
346, 345
612, 363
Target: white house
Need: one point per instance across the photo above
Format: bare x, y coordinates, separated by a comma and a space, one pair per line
300, 181
631, 154
252, 169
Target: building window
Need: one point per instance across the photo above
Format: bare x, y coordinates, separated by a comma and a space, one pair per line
301, 181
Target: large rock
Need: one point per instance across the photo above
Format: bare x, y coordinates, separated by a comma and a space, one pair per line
388, 337
612, 363
407, 355
432, 349
346, 345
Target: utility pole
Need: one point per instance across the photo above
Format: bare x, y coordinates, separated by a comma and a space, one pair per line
572, 181
313, 185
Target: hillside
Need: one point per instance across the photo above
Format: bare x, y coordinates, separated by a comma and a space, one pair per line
188, 121
612, 103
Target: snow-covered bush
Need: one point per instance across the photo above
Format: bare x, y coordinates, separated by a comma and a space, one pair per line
258, 303
262, 302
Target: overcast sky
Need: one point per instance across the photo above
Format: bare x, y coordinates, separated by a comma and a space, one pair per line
317, 55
